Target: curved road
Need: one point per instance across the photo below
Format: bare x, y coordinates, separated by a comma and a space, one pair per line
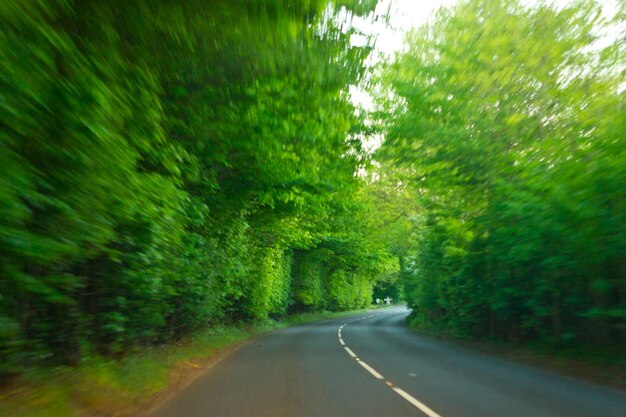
387, 370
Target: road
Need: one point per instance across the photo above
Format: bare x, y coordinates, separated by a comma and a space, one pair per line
305, 371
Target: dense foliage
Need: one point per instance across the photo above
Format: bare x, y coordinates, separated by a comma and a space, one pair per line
507, 124
171, 165
167, 166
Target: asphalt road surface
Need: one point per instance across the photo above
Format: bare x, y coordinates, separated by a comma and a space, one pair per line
386, 370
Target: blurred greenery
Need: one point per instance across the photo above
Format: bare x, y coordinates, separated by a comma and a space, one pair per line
169, 166
172, 167
506, 125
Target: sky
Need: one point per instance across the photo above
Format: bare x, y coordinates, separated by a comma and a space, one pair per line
403, 15
407, 14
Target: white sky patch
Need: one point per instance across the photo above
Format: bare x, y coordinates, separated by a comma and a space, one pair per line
404, 15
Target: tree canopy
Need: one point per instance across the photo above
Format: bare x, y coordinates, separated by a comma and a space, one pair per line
508, 125
168, 166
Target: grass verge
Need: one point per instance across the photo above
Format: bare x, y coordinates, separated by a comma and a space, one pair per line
107, 387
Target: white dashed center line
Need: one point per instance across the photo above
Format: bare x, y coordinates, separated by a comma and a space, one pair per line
371, 370
351, 353
402, 393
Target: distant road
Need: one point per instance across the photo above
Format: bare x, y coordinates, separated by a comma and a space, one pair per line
305, 371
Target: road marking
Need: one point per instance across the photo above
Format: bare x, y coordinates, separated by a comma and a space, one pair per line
351, 353
402, 393
371, 370
423, 408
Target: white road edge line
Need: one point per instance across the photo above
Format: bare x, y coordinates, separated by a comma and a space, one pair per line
408, 397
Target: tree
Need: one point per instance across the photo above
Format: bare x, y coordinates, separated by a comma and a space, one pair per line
509, 121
